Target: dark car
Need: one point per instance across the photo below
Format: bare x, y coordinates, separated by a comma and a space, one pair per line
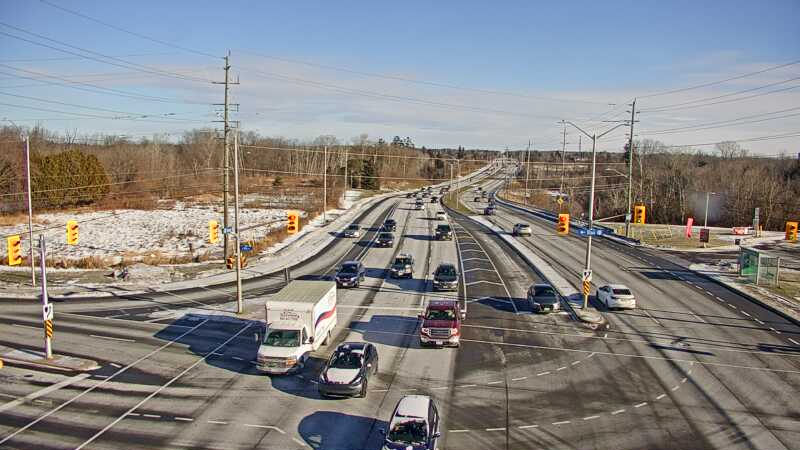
385, 239
476, 199
403, 266
445, 278
434, 199
443, 232
350, 274
543, 298
390, 225
409, 195
348, 370
489, 211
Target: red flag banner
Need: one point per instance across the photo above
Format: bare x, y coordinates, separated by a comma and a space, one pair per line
689, 222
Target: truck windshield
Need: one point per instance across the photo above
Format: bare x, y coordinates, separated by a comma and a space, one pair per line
440, 314
409, 432
283, 338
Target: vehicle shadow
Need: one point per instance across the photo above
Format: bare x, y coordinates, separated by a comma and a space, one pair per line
504, 304
419, 237
238, 355
330, 430
395, 331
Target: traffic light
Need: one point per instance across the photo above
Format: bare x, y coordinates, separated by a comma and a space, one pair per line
563, 224
213, 232
14, 250
293, 222
72, 232
230, 263
791, 231
638, 214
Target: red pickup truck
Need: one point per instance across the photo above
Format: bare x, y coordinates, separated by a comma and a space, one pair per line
441, 324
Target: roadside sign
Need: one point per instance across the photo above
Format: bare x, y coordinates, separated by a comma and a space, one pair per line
591, 232
245, 247
586, 288
587, 275
704, 232
627, 217
227, 230
560, 201
47, 312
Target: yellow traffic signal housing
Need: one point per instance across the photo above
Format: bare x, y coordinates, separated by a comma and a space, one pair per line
563, 224
72, 232
293, 222
639, 214
213, 232
230, 263
14, 250
791, 231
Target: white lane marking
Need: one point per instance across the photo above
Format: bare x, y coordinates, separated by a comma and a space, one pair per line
217, 422
661, 396
42, 392
762, 323
115, 365
152, 416
465, 386
391, 308
651, 317
683, 380
458, 431
639, 405
794, 342
185, 419
161, 388
590, 355
483, 281
543, 373
380, 390
519, 379
776, 331
619, 411
575, 362
562, 422
591, 417
68, 402
496, 429
478, 268
495, 382
732, 306
561, 368
746, 313
439, 388
25, 326
112, 338
411, 390
525, 427
675, 388
699, 318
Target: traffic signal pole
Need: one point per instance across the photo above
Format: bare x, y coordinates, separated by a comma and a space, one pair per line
47, 319
30, 206
239, 305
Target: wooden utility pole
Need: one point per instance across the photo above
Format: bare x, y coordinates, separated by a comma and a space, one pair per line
226, 156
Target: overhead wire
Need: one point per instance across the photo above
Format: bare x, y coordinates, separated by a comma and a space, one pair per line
720, 123
692, 104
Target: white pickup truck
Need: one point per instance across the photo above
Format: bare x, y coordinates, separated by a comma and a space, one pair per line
300, 318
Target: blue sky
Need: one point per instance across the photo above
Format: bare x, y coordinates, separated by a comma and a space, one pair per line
562, 60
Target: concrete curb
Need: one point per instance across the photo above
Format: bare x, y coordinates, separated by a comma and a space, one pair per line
36, 359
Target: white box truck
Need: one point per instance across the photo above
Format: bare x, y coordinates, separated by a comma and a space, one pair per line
300, 318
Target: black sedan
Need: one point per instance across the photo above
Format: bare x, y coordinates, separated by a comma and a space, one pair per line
348, 370
385, 240
390, 225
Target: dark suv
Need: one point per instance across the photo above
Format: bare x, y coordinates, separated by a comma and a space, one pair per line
390, 225
444, 232
445, 278
350, 274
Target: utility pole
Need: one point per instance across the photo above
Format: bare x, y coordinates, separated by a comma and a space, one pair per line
325, 185
563, 155
346, 187
226, 155
630, 170
47, 311
239, 305
30, 206
527, 169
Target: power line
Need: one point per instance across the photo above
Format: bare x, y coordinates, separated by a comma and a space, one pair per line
123, 63
132, 33
415, 81
713, 83
676, 106
95, 116
720, 123
71, 58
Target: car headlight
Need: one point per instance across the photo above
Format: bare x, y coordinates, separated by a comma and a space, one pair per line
426, 331
290, 361
408, 267
357, 380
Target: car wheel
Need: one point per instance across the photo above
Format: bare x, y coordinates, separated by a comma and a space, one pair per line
363, 392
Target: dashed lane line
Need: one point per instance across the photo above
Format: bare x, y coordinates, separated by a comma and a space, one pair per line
496, 429
217, 422
525, 427
591, 417
519, 379
619, 411
110, 338
794, 342
639, 405
563, 422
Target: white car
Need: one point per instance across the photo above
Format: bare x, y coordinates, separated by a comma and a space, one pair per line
415, 424
616, 296
440, 215
522, 229
352, 231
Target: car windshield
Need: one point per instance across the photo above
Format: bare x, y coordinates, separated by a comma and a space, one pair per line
446, 270
622, 292
283, 338
440, 314
346, 360
353, 227
349, 268
545, 291
408, 432
443, 228
402, 261
386, 236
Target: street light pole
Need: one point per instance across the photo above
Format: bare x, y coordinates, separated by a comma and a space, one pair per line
30, 206
630, 170
239, 304
594, 137
527, 169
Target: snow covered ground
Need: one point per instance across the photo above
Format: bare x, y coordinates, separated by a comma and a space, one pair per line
181, 230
